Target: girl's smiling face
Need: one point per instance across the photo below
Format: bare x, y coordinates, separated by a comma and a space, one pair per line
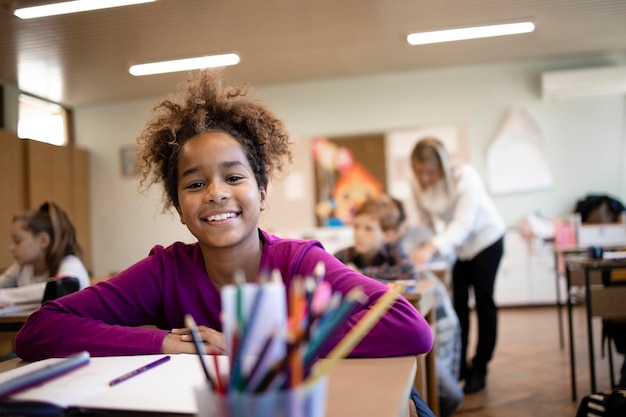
220, 199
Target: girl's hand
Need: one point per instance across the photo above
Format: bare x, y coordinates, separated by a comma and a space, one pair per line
424, 253
180, 341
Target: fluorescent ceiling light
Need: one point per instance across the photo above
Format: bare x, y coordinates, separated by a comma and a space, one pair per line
449, 35
72, 7
184, 64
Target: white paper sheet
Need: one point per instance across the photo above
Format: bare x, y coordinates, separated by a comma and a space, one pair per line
516, 160
166, 388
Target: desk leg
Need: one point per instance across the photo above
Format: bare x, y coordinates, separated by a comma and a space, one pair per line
559, 306
572, 360
6, 343
431, 369
592, 364
419, 382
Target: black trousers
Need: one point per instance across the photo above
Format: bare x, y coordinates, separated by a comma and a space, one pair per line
479, 273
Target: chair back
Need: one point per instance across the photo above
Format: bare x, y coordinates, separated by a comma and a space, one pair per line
607, 297
59, 287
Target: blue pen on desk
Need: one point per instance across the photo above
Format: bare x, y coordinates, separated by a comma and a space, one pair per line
39, 376
139, 370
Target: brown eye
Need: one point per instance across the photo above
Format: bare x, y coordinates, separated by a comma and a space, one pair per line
194, 185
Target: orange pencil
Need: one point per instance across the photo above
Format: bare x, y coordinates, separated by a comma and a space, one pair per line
358, 332
297, 306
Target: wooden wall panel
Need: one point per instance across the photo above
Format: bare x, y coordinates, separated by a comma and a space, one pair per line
369, 151
12, 189
82, 208
49, 175
33, 172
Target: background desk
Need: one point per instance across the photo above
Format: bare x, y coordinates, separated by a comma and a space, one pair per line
14, 322
423, 299
560, 252
9, 325
614, 298
357, 387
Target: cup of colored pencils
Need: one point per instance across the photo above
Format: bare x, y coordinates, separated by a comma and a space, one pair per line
274, 337
306, 400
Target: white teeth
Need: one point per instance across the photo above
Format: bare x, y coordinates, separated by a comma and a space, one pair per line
218, 217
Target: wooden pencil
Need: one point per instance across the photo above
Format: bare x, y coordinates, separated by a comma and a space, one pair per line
358, 332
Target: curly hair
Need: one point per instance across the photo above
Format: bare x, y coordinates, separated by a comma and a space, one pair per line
203, 104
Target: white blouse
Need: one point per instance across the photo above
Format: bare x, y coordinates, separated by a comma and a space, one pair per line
465, 221
19, 284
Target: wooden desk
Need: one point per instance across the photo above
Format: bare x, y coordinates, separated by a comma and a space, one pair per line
560, 252
13, 322
9, 325
423, 299
357, 387
587, 265
441, 269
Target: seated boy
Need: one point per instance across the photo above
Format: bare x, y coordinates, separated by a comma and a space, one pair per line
378, 225
448, 326
376, 253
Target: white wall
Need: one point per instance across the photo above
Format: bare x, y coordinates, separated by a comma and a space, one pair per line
584, 141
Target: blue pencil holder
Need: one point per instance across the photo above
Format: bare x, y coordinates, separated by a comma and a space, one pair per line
303, 401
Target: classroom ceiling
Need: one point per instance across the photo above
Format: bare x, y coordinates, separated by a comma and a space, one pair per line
83, 58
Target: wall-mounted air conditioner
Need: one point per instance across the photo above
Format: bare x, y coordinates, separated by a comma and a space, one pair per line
583, 82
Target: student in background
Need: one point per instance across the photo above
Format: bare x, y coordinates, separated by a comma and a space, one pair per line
448, 328
374, 254
379, 225
45, 247
213, 150
453, 202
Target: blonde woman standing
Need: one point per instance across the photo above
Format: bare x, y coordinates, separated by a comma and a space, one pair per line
453, 202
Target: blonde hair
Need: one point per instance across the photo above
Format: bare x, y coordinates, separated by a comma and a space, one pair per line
430, 151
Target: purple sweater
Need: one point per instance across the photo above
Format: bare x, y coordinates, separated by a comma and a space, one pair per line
159, 290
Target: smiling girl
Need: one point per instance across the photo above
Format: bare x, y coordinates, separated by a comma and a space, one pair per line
213, 150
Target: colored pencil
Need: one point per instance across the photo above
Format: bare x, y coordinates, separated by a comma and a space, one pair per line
236, 380
219, 387
354, 297
319, 271
139, 371
195, 336
297, 309
41, 375
250, 378
358, 332
280, 366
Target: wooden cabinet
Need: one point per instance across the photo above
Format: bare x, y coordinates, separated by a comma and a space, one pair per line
34, 172
12, 189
